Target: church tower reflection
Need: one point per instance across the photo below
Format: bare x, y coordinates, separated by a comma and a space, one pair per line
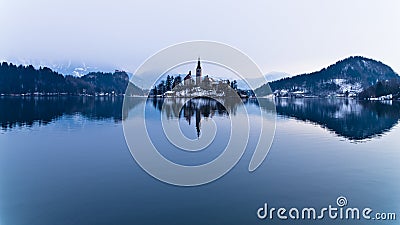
199, 108
198, 122
196, 109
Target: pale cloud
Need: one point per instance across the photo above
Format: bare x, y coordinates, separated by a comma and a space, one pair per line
289, 36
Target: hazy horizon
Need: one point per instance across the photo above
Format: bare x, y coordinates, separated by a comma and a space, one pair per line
285, 36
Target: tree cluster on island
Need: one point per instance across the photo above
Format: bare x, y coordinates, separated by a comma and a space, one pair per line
177, 87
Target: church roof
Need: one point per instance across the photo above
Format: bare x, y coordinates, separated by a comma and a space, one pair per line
189, 76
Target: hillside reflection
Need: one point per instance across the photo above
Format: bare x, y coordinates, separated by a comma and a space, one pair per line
352, 119
348, 118
25, 112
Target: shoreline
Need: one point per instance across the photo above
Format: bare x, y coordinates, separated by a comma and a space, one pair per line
23, 96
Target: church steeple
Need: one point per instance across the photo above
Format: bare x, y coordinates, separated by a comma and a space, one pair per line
198, 63
198, 72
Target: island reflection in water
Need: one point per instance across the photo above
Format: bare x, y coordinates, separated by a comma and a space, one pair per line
196, 109
351, 119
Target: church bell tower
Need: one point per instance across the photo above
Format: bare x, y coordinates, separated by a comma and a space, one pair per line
198, 73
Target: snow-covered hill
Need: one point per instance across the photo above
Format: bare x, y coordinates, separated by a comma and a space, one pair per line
349, 76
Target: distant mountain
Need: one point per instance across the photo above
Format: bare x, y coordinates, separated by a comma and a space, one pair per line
79, 69
70, 67
257, 82
44, 81
274, 76
348, 76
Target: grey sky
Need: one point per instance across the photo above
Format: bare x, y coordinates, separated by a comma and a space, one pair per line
288, 36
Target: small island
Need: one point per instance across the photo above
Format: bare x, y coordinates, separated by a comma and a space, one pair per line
197, 86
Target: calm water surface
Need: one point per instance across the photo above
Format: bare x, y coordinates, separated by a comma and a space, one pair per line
65, 161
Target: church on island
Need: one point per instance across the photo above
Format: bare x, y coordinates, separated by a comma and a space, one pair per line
188, 80
194, 86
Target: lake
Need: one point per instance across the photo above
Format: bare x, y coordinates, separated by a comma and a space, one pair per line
64, 160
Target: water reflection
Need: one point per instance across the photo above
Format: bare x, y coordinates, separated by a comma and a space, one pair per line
15, 112
352, 119
196, 108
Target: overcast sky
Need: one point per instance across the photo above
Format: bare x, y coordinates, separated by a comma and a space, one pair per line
287, 36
